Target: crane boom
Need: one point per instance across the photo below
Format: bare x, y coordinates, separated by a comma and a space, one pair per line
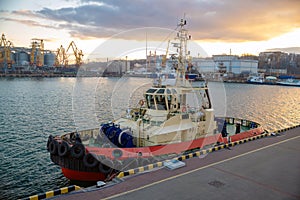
37, 52
61, 58
164, 58
62, 55
77, 53
6, 45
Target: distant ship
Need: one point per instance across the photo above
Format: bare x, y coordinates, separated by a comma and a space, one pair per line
256, 79
289, 82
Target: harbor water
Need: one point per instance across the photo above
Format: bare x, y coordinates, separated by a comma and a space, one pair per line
33, 108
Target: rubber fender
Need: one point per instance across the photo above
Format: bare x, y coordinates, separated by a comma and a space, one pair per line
50, 138
53, 147
90, 160
77, 150
105, 166
63, 148
77, 138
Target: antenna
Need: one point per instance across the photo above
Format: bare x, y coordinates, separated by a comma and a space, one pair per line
146, 51
183, 37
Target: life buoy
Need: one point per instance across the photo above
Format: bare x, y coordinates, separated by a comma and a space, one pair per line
105, 166
53, 146
77, 151
90, 160
63, 148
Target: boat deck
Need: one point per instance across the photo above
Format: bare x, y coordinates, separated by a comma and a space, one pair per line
231, 128
262, 169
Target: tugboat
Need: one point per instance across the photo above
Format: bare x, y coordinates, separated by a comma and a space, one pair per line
175, 117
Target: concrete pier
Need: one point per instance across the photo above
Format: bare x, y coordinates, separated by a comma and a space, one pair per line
268, 168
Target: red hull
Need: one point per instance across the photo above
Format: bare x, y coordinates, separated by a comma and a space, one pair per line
244, 135
157, 150
78, 175
82, 176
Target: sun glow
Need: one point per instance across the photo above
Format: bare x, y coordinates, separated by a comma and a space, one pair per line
291, 39
90, 23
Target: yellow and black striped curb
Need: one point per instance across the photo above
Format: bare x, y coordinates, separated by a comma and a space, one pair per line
219, 147
201, 152
140, 169
190, 155
286, 129
52, 193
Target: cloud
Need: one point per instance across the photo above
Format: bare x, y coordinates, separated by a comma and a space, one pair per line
87, 31
287, 49
25, 13
226, 20
27, 22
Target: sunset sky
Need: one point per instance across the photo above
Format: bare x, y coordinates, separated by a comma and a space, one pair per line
217, 26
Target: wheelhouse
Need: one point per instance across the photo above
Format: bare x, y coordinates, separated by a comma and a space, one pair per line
174, 100
164, 99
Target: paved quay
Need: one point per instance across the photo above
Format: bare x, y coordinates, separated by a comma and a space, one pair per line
268, 168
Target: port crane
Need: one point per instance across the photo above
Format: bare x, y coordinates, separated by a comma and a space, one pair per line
77, 53
37, 52
62, 55
5, 50
164, 58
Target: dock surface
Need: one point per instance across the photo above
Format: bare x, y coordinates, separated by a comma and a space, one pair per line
268, 168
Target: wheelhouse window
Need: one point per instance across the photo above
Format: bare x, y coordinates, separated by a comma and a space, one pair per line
157, 99
161, 102
150, 101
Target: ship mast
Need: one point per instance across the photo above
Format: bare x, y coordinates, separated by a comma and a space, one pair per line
183, 37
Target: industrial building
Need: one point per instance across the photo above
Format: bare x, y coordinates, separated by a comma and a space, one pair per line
36, 58
230, 64
279, 63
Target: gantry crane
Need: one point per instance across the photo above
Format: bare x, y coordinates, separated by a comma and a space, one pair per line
5, 46
62, 56
5, 50
77, 53
164, 58
37, 52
